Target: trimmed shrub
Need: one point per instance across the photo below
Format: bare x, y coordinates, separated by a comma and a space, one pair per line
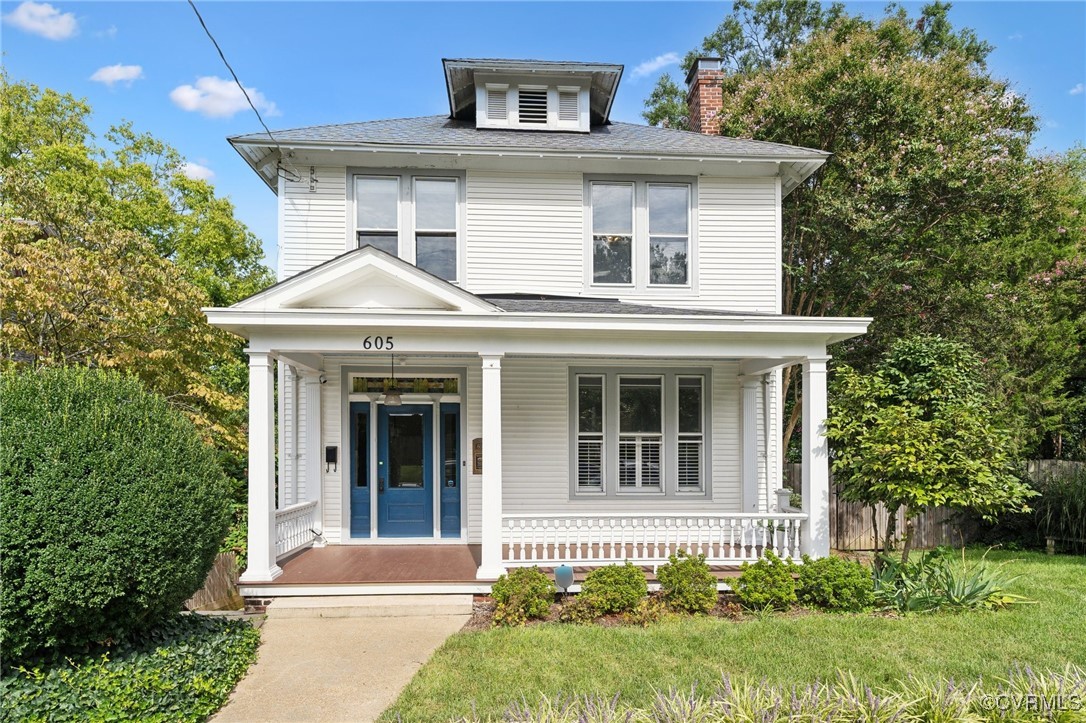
835, 584
523, 594
650, 610
615, 588
580, 610
113, 510
767, 583
687, 583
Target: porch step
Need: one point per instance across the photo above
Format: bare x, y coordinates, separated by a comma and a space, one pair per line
369, 606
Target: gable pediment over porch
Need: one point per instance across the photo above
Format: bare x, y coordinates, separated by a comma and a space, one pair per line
366, 279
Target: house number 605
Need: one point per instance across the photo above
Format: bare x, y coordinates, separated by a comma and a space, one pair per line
377, 342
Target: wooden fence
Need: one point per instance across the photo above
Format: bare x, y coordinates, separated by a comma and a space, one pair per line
220, 590
852, 525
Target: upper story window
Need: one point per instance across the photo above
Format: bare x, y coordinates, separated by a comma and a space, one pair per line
532, 106
640, 233
414, 217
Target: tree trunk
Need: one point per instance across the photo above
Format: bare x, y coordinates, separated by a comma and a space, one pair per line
907, 545
891, 529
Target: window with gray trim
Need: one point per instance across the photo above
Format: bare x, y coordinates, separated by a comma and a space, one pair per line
639, 432
640, 233
415, 217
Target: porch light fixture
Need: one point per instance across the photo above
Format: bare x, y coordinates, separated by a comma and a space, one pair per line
392, 396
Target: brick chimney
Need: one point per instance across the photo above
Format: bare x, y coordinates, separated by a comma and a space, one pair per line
703, 96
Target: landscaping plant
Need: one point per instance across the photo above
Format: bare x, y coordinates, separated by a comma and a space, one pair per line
835, 584
687, 584
767, 584
579, 610
521, 595
182, 670
113, 510
615, 588
934, 583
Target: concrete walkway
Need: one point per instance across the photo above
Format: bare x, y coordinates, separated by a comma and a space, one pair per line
341, 659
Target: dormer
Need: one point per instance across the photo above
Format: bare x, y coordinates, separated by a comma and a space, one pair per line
531, 95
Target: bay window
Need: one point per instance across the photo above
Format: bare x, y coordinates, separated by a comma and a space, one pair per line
640, 233
414, 217
635, 432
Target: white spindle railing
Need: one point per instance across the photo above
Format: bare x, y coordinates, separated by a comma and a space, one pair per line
724, 539
294, 527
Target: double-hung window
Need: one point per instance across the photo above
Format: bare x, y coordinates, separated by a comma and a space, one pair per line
639, 432
640, 233
413, 217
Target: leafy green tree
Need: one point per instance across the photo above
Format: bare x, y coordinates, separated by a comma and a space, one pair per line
918, 432
109, 255
930, 201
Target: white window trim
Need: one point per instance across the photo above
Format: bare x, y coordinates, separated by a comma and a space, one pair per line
406, 210
669, 487
641, 271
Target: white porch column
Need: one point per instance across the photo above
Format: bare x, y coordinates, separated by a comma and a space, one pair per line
491, 563
751, 386
262, 567
815, 540
314, 459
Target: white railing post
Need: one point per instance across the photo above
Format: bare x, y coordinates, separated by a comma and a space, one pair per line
816, 469
261, 536
491, 563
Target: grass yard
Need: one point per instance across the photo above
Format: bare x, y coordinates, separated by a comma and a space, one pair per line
482, 673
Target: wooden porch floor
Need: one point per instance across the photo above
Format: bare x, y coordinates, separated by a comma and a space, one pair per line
377, 564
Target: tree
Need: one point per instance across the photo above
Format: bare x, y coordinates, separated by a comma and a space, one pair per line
109, 255
930, 199
918, 432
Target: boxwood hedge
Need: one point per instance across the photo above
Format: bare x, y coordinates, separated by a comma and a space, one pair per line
113, 510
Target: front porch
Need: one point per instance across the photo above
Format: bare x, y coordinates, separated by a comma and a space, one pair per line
389, 409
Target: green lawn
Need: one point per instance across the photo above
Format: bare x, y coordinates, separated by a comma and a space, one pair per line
483, 672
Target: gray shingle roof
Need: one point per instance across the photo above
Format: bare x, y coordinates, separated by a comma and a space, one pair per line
439, 131
543, 304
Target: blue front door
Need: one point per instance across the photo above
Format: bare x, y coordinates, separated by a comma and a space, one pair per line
405, 471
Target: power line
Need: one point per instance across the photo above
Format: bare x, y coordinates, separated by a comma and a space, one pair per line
279, 163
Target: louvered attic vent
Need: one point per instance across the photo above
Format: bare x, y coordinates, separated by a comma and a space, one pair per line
496, 104
532, 107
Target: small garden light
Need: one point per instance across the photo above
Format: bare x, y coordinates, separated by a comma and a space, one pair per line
563, 577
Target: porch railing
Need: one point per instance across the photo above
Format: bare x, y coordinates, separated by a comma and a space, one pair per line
586, 540
295, 527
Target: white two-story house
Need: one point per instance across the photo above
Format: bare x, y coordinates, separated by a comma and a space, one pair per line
521, 333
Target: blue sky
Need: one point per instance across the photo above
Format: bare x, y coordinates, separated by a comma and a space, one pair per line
317, 63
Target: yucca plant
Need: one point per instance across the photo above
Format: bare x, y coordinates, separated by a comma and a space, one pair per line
934, 583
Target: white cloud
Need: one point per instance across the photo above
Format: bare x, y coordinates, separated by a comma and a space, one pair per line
113, 74
109, 33
216, 97
651, 66
43, 19
1014, 36
196, 171
1077, 90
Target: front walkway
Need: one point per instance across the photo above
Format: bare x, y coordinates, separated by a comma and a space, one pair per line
339, 664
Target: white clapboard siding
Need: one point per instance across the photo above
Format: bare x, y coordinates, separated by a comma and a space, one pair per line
314, 223
737, 244
525, 232
535, 443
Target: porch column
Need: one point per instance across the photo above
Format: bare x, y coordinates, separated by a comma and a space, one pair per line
262, 567
491, 558
314, 460
749, 434
815, 540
